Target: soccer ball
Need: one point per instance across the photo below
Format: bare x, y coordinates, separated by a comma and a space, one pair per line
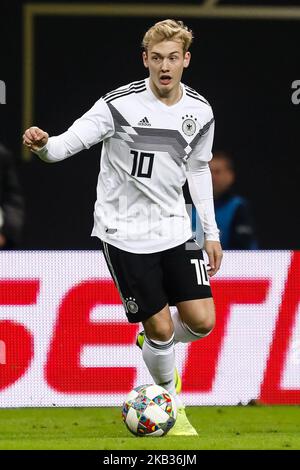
149, 410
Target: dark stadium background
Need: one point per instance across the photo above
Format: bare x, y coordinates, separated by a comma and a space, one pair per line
245, 68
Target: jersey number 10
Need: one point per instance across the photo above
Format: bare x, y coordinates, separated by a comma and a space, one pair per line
142, 164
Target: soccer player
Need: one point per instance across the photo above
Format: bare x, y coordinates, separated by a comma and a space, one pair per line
156, 132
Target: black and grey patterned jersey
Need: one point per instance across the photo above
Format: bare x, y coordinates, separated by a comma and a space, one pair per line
147, 149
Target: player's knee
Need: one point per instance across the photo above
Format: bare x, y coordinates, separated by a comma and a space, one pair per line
204, 323
207, 325
160, 331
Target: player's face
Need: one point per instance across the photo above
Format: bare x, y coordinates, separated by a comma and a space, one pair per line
166, 61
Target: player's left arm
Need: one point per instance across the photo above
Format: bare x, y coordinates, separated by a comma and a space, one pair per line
201, 190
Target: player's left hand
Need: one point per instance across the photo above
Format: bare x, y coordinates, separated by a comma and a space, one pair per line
215, 255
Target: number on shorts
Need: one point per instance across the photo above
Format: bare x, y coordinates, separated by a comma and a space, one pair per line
201, 273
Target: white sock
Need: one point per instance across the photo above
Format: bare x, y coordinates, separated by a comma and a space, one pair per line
182, 332
159, 357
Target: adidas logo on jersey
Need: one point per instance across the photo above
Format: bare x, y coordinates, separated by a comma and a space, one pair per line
144, 122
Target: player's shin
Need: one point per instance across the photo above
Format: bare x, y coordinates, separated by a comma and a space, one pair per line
159, 357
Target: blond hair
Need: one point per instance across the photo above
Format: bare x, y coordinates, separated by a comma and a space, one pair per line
170, 30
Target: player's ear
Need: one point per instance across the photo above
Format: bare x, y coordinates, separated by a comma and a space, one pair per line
186, 60
145, 59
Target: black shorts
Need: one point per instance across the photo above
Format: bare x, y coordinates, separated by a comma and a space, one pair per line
147, 282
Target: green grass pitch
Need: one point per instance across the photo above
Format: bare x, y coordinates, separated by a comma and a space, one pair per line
241, 427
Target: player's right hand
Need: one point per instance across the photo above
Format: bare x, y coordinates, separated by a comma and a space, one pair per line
35, 138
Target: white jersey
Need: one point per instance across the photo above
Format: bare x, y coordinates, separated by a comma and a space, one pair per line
148, 148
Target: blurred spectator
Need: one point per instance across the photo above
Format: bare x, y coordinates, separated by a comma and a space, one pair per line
233, 214
11, 202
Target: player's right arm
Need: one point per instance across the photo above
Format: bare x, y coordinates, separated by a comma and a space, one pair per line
52, 149
35, 138
93, 127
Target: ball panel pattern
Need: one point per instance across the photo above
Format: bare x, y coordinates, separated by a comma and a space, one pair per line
149, 410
